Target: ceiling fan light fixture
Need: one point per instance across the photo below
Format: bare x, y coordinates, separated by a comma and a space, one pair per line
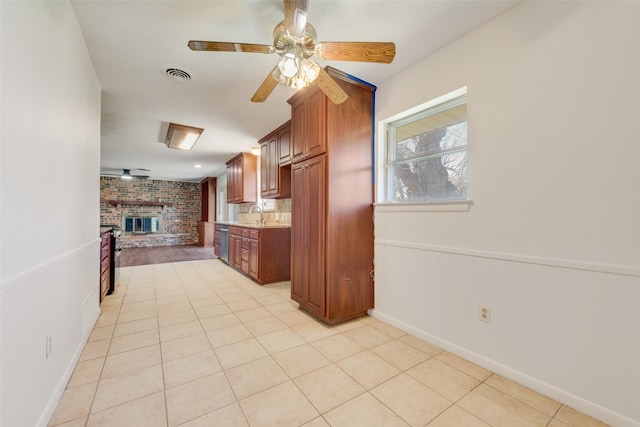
126, 175
182, 137
282, 79
309, 70
288, 65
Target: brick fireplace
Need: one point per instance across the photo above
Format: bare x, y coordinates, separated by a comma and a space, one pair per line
157, 213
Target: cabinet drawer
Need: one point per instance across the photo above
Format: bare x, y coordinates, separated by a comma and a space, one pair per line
235, 230
246, 232
245, 243
245, 254
254, 234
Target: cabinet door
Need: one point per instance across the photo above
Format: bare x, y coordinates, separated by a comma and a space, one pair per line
308, 235
298, 234
299, 130
232, 249
284, 146
265, 168
316, 137
273, 166
254, 258
269, 166
238, 252
232, 185
315, 224
308, 130
242, 179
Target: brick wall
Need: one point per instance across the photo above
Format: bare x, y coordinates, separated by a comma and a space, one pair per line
178, 219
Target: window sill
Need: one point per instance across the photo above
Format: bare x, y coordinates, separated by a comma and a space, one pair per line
446, 206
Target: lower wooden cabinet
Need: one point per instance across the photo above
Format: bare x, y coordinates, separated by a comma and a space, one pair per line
216, 239
235, 247
205, 234
264, 253
105, 262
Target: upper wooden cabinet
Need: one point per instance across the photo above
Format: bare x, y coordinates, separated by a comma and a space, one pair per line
242, 179
332, 201
284, 146
308, 124
275, 177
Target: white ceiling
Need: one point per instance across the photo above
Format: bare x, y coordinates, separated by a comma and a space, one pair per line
132, 42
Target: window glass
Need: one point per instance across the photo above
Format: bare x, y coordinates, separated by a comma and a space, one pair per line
427, 154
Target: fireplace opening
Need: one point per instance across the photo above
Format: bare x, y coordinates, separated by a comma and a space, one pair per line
141, 224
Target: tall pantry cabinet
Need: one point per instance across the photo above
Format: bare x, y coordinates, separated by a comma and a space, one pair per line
332, 201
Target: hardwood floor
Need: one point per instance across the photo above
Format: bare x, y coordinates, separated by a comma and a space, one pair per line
163, 254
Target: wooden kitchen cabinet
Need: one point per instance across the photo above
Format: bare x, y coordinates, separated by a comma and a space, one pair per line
284, 145
275, 178
216, 239
262, 253
332, 201
207, 212
242, 179
235, 247
105, 264
254, 258
308, 124
308, 235
244, 264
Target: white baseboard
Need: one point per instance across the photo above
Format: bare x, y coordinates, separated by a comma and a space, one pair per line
64, 380
563, 396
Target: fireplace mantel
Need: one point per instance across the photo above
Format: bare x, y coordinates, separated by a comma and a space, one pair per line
138, 203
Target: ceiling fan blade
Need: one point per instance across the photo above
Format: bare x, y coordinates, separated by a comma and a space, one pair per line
295, 16
265, 89
201, 45
330, 88
382, 52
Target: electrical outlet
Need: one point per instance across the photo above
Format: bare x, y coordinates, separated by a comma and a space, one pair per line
48, 346
485, 313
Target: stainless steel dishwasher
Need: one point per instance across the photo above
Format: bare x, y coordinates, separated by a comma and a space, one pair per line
224, 243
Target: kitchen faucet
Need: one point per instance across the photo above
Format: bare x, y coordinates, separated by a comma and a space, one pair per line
261, 221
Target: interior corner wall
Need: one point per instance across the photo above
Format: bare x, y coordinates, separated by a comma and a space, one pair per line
49, 193
551, 242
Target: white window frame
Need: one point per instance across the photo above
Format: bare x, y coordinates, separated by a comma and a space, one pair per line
383, 204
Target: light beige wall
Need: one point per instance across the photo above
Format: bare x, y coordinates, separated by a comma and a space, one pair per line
551, 240
49, 192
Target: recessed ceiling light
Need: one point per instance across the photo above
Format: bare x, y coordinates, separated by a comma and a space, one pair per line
197, 166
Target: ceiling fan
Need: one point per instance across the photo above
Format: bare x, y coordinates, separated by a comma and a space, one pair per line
294, 39
126, 174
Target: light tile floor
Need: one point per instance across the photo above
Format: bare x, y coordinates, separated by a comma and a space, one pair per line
198, 344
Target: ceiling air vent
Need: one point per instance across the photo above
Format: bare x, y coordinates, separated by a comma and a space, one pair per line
178, 73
